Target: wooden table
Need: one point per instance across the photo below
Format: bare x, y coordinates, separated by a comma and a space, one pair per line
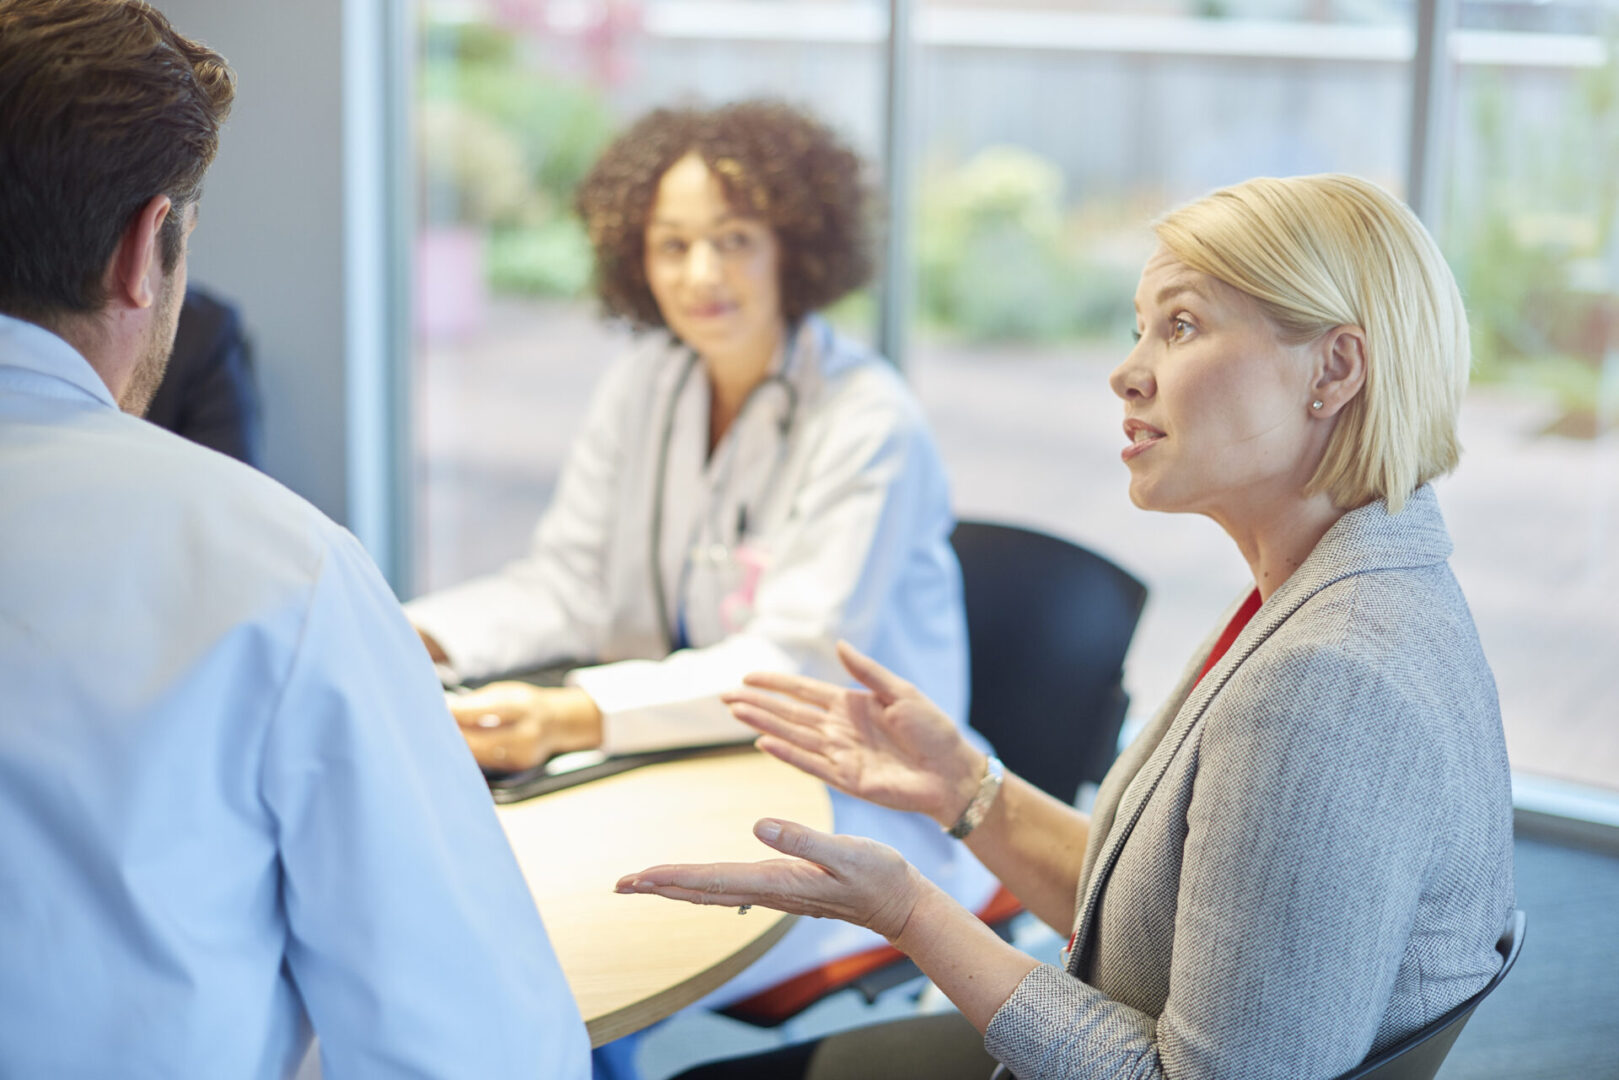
633, 960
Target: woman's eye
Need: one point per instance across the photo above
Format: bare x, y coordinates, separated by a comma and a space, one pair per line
733, 241
1179, 329
671, 247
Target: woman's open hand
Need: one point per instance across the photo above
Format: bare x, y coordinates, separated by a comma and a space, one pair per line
888, 744
830, 877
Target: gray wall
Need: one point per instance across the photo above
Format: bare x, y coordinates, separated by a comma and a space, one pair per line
270, 234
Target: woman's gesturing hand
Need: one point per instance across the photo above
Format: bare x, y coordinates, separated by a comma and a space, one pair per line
887, 744
830, 877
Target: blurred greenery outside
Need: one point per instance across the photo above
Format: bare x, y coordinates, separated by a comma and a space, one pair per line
1002, 256
502, 147
1532, 239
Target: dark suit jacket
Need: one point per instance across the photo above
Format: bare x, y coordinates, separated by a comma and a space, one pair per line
207, 394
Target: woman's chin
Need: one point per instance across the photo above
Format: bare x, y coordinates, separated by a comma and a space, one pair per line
1141, 494
723, 333
1154, 497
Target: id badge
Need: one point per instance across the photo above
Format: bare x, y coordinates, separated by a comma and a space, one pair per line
748, 564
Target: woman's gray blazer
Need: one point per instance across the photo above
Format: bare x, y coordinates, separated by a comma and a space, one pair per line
1304, 857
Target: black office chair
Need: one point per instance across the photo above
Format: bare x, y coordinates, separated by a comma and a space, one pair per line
1048, 623
1418, 1056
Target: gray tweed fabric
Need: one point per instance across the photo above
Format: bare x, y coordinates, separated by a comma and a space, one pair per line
1306, 856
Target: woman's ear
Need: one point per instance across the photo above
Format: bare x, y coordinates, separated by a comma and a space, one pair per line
1342, 370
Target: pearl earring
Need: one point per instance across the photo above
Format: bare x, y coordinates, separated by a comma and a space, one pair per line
1315, 405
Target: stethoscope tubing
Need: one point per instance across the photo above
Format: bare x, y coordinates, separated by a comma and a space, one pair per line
655, 528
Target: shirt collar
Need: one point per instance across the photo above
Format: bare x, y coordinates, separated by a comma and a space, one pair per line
33, 348
804, 350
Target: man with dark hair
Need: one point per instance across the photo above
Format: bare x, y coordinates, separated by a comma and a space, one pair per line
232, 804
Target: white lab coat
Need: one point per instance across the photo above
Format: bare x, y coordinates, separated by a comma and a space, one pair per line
838, 510
232, 803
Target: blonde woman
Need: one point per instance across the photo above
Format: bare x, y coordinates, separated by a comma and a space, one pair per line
1307, 854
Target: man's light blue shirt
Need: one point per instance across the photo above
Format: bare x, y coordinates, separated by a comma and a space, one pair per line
232, 804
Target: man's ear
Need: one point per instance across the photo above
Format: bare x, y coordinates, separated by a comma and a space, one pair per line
135, 274
1342, 370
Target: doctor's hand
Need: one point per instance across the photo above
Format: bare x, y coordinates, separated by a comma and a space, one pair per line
888, 744
512, 726
830, 877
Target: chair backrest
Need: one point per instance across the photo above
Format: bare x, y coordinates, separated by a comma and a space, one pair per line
1049, 623
1418, 1056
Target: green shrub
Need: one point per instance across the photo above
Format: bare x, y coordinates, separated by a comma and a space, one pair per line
550, 259
999, 257
473, 171
1531, 236
560, 126
504, 145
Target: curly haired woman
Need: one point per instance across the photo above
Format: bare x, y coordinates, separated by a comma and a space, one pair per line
748, 486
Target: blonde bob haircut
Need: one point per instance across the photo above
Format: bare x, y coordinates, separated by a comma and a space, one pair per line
1320, 252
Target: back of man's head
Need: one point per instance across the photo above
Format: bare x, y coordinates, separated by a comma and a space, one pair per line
102, 108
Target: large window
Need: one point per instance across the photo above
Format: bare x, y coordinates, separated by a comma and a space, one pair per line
1529, 224
1032, 228
1041, 137
514, 99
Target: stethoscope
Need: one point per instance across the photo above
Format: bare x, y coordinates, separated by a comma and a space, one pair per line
718, 552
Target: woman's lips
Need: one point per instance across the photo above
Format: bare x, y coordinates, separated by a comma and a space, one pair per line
710, 311
1142, 435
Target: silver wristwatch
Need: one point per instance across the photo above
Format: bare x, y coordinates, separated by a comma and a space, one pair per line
978, 809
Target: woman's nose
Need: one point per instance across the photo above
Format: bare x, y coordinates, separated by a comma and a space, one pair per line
1133, 377
702, 263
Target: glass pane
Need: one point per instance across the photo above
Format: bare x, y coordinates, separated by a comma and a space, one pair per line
1530, 230
1046, 147
514, 100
